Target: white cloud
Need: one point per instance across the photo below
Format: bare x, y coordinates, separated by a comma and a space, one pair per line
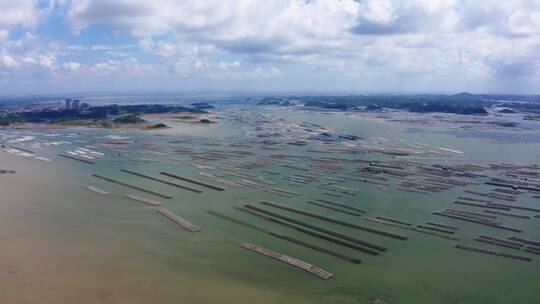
21, 13
440, 43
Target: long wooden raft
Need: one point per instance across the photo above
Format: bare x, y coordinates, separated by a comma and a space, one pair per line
114, 181
321, 273
96, 190
161, 181
189, 180
76, 158
143, 200
179, 221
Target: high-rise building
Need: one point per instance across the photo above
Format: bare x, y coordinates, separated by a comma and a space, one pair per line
68, 103
75, 103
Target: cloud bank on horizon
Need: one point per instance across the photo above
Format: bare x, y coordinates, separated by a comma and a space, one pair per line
272, 45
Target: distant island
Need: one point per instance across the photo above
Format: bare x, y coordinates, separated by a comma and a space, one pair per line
109, 116
463, 103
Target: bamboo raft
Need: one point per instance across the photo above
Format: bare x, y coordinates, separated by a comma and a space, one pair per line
131, 186
336, 221
393, 224
492, 252
196, 182
287, 221
76, 158
143, 200
513, 186
227, 183
514, 207
387, 219
162, 181
288, 238
482, 205
521, 216
413, 191
480, 216
277, 192
473, 199
474, 220
96, 190
334, 208
339, 239
533, 250
22, 149
340, 205
499, 240
332, 194
442, 225
524, 241
179, 221
321, 273
425, 227
497, 243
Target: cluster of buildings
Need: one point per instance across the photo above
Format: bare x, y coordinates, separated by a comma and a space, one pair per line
72, 103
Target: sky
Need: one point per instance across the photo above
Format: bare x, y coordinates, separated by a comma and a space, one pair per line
310, 46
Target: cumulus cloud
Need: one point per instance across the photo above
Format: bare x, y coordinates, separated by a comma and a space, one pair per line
440, 43
293, 29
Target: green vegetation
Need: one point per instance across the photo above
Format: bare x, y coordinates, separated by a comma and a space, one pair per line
129, 119
93, 115
158, 126
8, 119
463, 103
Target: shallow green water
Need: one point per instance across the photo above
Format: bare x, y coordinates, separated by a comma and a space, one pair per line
62, 244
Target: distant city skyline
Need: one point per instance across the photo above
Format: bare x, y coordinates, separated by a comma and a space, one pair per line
333, 46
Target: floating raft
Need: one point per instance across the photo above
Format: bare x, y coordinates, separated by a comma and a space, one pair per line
161, 181
321, 273
521, 216
524, 241
336, 221
288, 238
96, 190
196, 182
366, 247
22, 149
492, 252
131, 186
143, 200
340, 205
334, 208
512, 186
76, 158
474, 220
179, 221
380, 221
442, 225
